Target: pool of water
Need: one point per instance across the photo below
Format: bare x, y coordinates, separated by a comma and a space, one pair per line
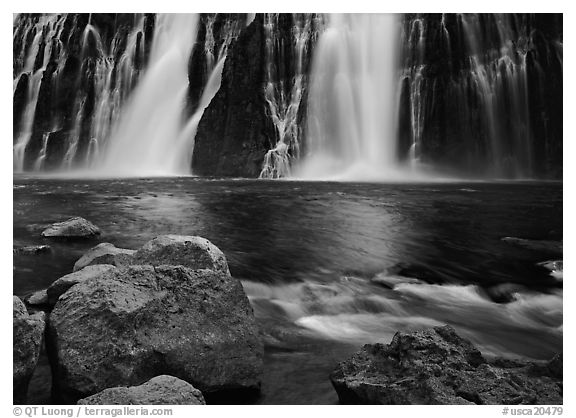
330, 266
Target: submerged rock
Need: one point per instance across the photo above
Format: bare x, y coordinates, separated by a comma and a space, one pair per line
161, 390
38, 298
436, 366
73, 228
551, 247
31, 250
27, 341
131, 324
60, 286
104, 253
188, 251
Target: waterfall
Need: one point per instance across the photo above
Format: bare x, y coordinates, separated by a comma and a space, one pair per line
499, 74
465, 89
312, 96
283, 93
112, 84
351, 128
145, 139
30, 61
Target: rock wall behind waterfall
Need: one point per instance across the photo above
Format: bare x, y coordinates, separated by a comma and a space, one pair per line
263, 78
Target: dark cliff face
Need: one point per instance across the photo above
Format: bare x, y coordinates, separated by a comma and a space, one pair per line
215, 33
233, 133
265, 64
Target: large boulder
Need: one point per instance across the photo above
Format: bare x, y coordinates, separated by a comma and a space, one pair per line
28, 331
436, 366
64, 283
134, 323
105, 253
188, 251
161, 390
73, 228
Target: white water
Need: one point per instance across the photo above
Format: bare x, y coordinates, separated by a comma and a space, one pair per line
146, 138
354, 310
351, 132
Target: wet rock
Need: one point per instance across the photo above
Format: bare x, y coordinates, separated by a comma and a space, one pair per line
105, 253
555, 267
436, 366
39, 298
31, 250
131, 324
188, 251
64, 283
28, 331
73, 228
161, 390
504, 292
550, 247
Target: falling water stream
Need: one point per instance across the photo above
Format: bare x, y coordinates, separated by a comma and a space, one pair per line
144, 141
351, 107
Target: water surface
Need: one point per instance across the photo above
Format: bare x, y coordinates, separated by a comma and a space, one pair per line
327, 266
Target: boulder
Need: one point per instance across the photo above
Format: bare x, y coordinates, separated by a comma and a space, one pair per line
64, 283
104, 253
131, 324
39, 298
188, 251
161, 390
31, 250
73, 228
28, 331
436, 366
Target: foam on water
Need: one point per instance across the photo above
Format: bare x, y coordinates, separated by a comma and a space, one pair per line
357, 311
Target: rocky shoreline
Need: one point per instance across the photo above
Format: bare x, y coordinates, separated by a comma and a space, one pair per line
168, 324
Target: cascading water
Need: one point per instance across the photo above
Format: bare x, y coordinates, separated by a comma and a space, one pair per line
472, 94
146, 137
465, 94
75, 85
114, 83
284, 97
501, 80
30, 62
351, 106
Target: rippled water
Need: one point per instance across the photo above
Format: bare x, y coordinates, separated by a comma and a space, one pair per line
331, 266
